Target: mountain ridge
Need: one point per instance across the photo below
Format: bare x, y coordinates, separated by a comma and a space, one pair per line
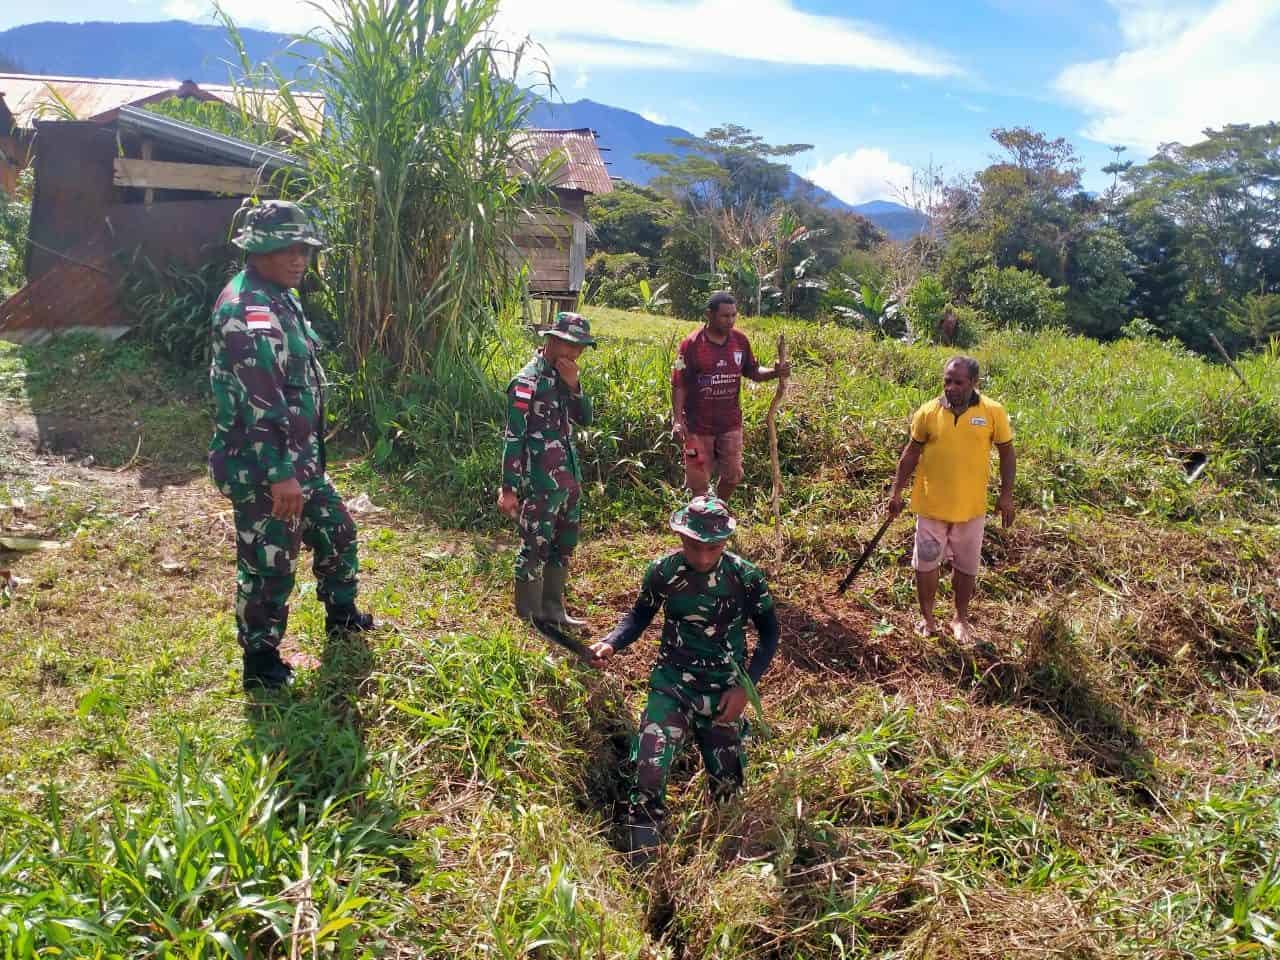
179, 50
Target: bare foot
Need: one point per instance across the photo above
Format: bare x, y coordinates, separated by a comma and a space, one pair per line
926, 628
962, 630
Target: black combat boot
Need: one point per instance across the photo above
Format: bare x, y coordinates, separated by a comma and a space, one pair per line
346, 620
264, 670
642, 840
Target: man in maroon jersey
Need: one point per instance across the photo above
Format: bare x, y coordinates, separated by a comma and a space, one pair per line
706, 416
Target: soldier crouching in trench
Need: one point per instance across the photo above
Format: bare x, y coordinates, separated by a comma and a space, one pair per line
709, 594
267, 454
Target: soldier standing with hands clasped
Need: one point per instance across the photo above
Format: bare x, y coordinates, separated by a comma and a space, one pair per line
541, 479
267, 454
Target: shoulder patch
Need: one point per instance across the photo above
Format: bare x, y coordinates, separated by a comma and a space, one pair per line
258, 317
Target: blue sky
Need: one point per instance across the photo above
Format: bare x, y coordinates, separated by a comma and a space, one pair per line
878, 88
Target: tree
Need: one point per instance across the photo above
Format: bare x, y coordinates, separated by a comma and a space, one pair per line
631, 219
1099, 284
727, 171
1222, 196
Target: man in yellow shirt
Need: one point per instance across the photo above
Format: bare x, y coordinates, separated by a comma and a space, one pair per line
951, 438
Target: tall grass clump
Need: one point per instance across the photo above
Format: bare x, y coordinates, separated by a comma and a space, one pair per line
417, 179
206, 859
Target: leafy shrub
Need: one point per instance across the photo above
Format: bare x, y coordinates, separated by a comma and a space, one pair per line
682, 267
1100, 286
925, 306
1140, 328
1017, 298
614, 279
15, 219
170, 308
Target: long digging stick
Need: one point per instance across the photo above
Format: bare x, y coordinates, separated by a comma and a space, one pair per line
866, 555
772, 421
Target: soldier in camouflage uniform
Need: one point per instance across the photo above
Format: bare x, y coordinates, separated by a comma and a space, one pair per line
541, 480
267, 454
709, 594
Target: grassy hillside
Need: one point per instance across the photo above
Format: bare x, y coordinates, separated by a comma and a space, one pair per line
1097, 778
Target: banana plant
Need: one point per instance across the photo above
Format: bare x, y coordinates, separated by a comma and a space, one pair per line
652, 300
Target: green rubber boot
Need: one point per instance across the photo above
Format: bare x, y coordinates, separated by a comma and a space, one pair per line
554, 577
529, 599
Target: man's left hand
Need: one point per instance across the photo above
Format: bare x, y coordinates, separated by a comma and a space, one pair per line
732, 702
1005, 506
568, 371
782, 369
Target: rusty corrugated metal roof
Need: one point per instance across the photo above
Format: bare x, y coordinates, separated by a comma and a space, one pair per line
584, 168
32, 97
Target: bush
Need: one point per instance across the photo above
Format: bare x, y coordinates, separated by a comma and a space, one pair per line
925, 306
1100, 285
15, 219
1014, 298
614, 279
170, 308
682, 267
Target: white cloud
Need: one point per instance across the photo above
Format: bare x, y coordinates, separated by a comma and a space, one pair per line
285, 16
653, 116
615, 32
867, 173
1185, 69
653, 33
581, 79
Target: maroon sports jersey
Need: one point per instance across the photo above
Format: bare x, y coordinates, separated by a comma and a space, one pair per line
712, 376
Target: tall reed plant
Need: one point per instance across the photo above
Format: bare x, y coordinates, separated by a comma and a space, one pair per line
418, 180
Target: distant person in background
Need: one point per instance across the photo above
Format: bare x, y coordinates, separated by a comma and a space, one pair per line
706, 410
951, 440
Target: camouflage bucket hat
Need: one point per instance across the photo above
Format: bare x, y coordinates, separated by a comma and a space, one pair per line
572, 327
706, 519
274, 225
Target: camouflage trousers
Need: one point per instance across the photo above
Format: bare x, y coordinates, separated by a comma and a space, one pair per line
548, 531
267, 552
672, 713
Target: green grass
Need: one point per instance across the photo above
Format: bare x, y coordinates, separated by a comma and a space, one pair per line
1098, 779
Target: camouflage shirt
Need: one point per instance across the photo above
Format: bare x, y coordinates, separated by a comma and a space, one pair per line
704, 634
538, 455
267, 386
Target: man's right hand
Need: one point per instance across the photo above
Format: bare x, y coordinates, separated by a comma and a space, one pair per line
601, 652
679, 432
286, 499
508, 504
895, 504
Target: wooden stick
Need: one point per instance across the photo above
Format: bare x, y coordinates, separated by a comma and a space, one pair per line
772, 420
1231, 363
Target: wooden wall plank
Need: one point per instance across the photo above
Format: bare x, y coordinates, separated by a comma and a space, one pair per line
162, 175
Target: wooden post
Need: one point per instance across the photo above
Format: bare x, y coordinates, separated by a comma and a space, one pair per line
772, 421
148, 195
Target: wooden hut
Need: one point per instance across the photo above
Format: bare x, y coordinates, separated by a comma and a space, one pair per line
555, 245
139, 184
26, 99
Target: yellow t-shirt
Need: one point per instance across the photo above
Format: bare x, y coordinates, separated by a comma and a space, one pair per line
951, 477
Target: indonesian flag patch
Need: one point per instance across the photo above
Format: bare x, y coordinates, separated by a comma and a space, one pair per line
259, 318
522, 394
